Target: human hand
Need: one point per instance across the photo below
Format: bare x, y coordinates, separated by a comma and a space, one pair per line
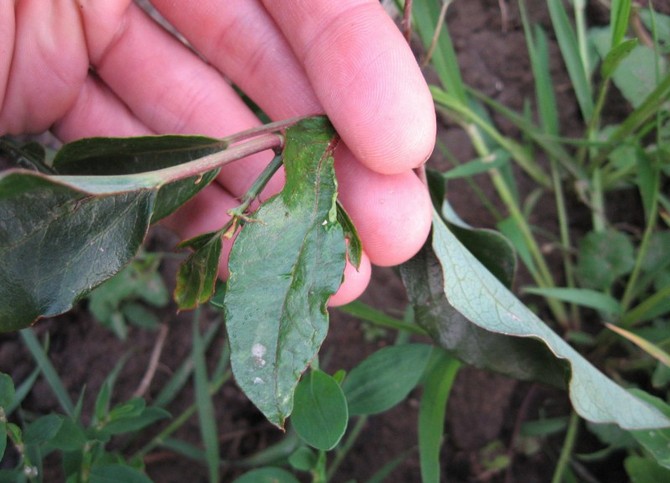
294, 57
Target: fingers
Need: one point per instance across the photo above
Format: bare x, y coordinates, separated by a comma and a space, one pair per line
49, 63
392, 213
98, 112
7, 32
365, 77
171, 90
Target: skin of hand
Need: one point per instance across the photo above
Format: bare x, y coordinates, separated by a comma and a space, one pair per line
105, 68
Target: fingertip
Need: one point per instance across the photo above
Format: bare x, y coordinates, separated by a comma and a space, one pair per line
354, 283
392, 213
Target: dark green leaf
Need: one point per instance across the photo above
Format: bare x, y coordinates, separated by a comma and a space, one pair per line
616, 56
140, 316
116, 473
3, 438
320, 411
219, 296
377, 384
132, 423
304, 458
655, 441
267, 475
42, 429
197, 276
645, 470
114, 156
481, 298
525, 359
604, 256
70, 436
58, 242
283, 268
6, 391
12, 476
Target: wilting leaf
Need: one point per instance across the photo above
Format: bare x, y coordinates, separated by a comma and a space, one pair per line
284, 266
476, 294
196, 278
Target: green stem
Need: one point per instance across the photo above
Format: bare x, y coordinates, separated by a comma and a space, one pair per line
341, 452
566, 244
258, 186
597, 202
631, 285
369, 314
566, 450
160, 177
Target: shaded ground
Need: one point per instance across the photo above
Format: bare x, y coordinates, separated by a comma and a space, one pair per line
484, 410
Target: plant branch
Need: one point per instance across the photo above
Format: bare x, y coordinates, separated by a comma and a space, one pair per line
160, 177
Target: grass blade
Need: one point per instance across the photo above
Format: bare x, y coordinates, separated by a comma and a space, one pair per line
48, 370
651, 349
424, 13
619, 16
204, 403
567, 41
438, 382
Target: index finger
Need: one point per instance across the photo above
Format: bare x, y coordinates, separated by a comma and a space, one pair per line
365, 77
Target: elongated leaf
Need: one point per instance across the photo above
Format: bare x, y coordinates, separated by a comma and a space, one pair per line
439, 378
580, 296
206, 416
320, 414
283, 268
7, 391
567, 41
114, 156
475, 293
376, 384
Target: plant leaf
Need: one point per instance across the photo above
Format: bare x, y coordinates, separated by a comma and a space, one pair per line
320, 413
196, 278
58, 242
524, 359
439, 380
376, 384
114, 156
7, 391
267, 475
604, 256
284, 266
481, 298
